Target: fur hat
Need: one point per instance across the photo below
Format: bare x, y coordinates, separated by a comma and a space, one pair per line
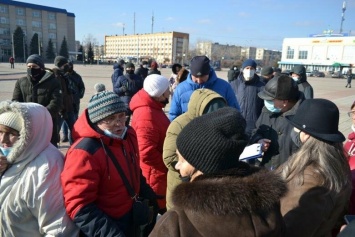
12, 120
213, 141
104, 104
249, 62
60, 61
200, 66
319, 118
266, 71
282, 88
155, 85
36, 59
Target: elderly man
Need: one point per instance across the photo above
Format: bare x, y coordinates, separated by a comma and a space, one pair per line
96, 196
246, 88
40, 86
201, 76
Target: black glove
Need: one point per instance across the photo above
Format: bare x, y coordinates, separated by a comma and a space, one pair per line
123, 88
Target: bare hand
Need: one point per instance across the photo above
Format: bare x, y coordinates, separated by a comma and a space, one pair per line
265, 144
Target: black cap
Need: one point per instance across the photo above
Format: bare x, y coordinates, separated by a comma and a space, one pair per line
60, 61
200, 66
129, 65
36, 59
265, 71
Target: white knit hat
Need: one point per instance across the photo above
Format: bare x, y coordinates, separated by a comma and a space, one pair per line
155, 85
12, 120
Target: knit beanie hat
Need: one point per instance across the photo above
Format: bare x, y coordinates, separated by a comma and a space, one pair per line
99, 87
104, 104
12, 120
36, 59
249, 62
200, 66
60, 61
213, 141
155, 85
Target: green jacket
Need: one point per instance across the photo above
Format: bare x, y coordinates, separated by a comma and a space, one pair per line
199, 101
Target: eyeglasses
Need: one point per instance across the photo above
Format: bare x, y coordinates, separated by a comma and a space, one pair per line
351, 113
115, 119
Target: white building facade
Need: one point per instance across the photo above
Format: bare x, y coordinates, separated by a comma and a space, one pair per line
325, 53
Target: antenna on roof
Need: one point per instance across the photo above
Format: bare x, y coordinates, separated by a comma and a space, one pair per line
342, 17
152, 21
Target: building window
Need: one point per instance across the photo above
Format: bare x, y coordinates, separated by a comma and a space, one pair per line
52, 36
4, 20
51, 16
20, 22
302, 54
4, 31
36, 24
3, 9
20, 11
36, 14
52, 26
290, 53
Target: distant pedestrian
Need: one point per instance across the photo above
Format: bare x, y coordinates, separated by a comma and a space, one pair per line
12, 62
118, 69
142, 71
233, 73
298, 74
349, 76
154, 68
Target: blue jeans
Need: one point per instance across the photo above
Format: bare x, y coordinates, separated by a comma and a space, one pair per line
69, 123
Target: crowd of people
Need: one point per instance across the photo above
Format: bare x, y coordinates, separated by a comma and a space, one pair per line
132, 170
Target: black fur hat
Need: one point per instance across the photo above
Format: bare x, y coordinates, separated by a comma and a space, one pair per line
213, 141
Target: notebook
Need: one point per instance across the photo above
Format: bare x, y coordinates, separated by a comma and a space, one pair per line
251, 152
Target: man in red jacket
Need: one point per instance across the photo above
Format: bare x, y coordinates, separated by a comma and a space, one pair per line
95, 195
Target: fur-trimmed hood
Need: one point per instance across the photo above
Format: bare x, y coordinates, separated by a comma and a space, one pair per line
236, 192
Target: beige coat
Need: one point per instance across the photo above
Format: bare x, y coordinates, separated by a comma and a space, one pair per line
198, 102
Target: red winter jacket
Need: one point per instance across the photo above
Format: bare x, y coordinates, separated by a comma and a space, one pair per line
150, 123
349, 148
89, 176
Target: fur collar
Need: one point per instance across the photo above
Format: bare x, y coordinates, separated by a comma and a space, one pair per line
234, 192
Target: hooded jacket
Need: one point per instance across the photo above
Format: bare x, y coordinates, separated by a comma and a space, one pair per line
184, 90
30, 190
150, 123
197, 105
117, 72
302, 82
132, 84
95, 196
249, 101
47, 92
241, 203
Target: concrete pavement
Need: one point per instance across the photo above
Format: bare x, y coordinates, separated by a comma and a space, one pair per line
328, 88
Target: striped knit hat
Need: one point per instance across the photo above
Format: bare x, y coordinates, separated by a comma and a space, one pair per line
104, 104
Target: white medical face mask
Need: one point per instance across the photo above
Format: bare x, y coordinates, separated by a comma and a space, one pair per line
248, 74
295, 78
6, 150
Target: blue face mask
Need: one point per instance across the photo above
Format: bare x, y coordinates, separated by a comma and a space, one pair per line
269, 104
6, 150
110, 134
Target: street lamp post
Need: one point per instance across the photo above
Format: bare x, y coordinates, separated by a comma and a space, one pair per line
24, 48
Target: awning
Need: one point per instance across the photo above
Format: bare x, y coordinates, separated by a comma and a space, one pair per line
336, 64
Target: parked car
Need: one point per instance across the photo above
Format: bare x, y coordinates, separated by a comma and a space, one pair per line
311, 73
337, 74
319, 74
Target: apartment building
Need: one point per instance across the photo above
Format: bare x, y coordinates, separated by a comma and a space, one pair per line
47, 22
326, 52
164, 47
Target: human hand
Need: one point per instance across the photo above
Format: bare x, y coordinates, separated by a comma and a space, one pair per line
3, 163
123, 89
265, 144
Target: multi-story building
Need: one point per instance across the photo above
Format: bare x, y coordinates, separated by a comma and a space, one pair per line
47, 22
165, 47
267, 57
326, 52
218, 52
